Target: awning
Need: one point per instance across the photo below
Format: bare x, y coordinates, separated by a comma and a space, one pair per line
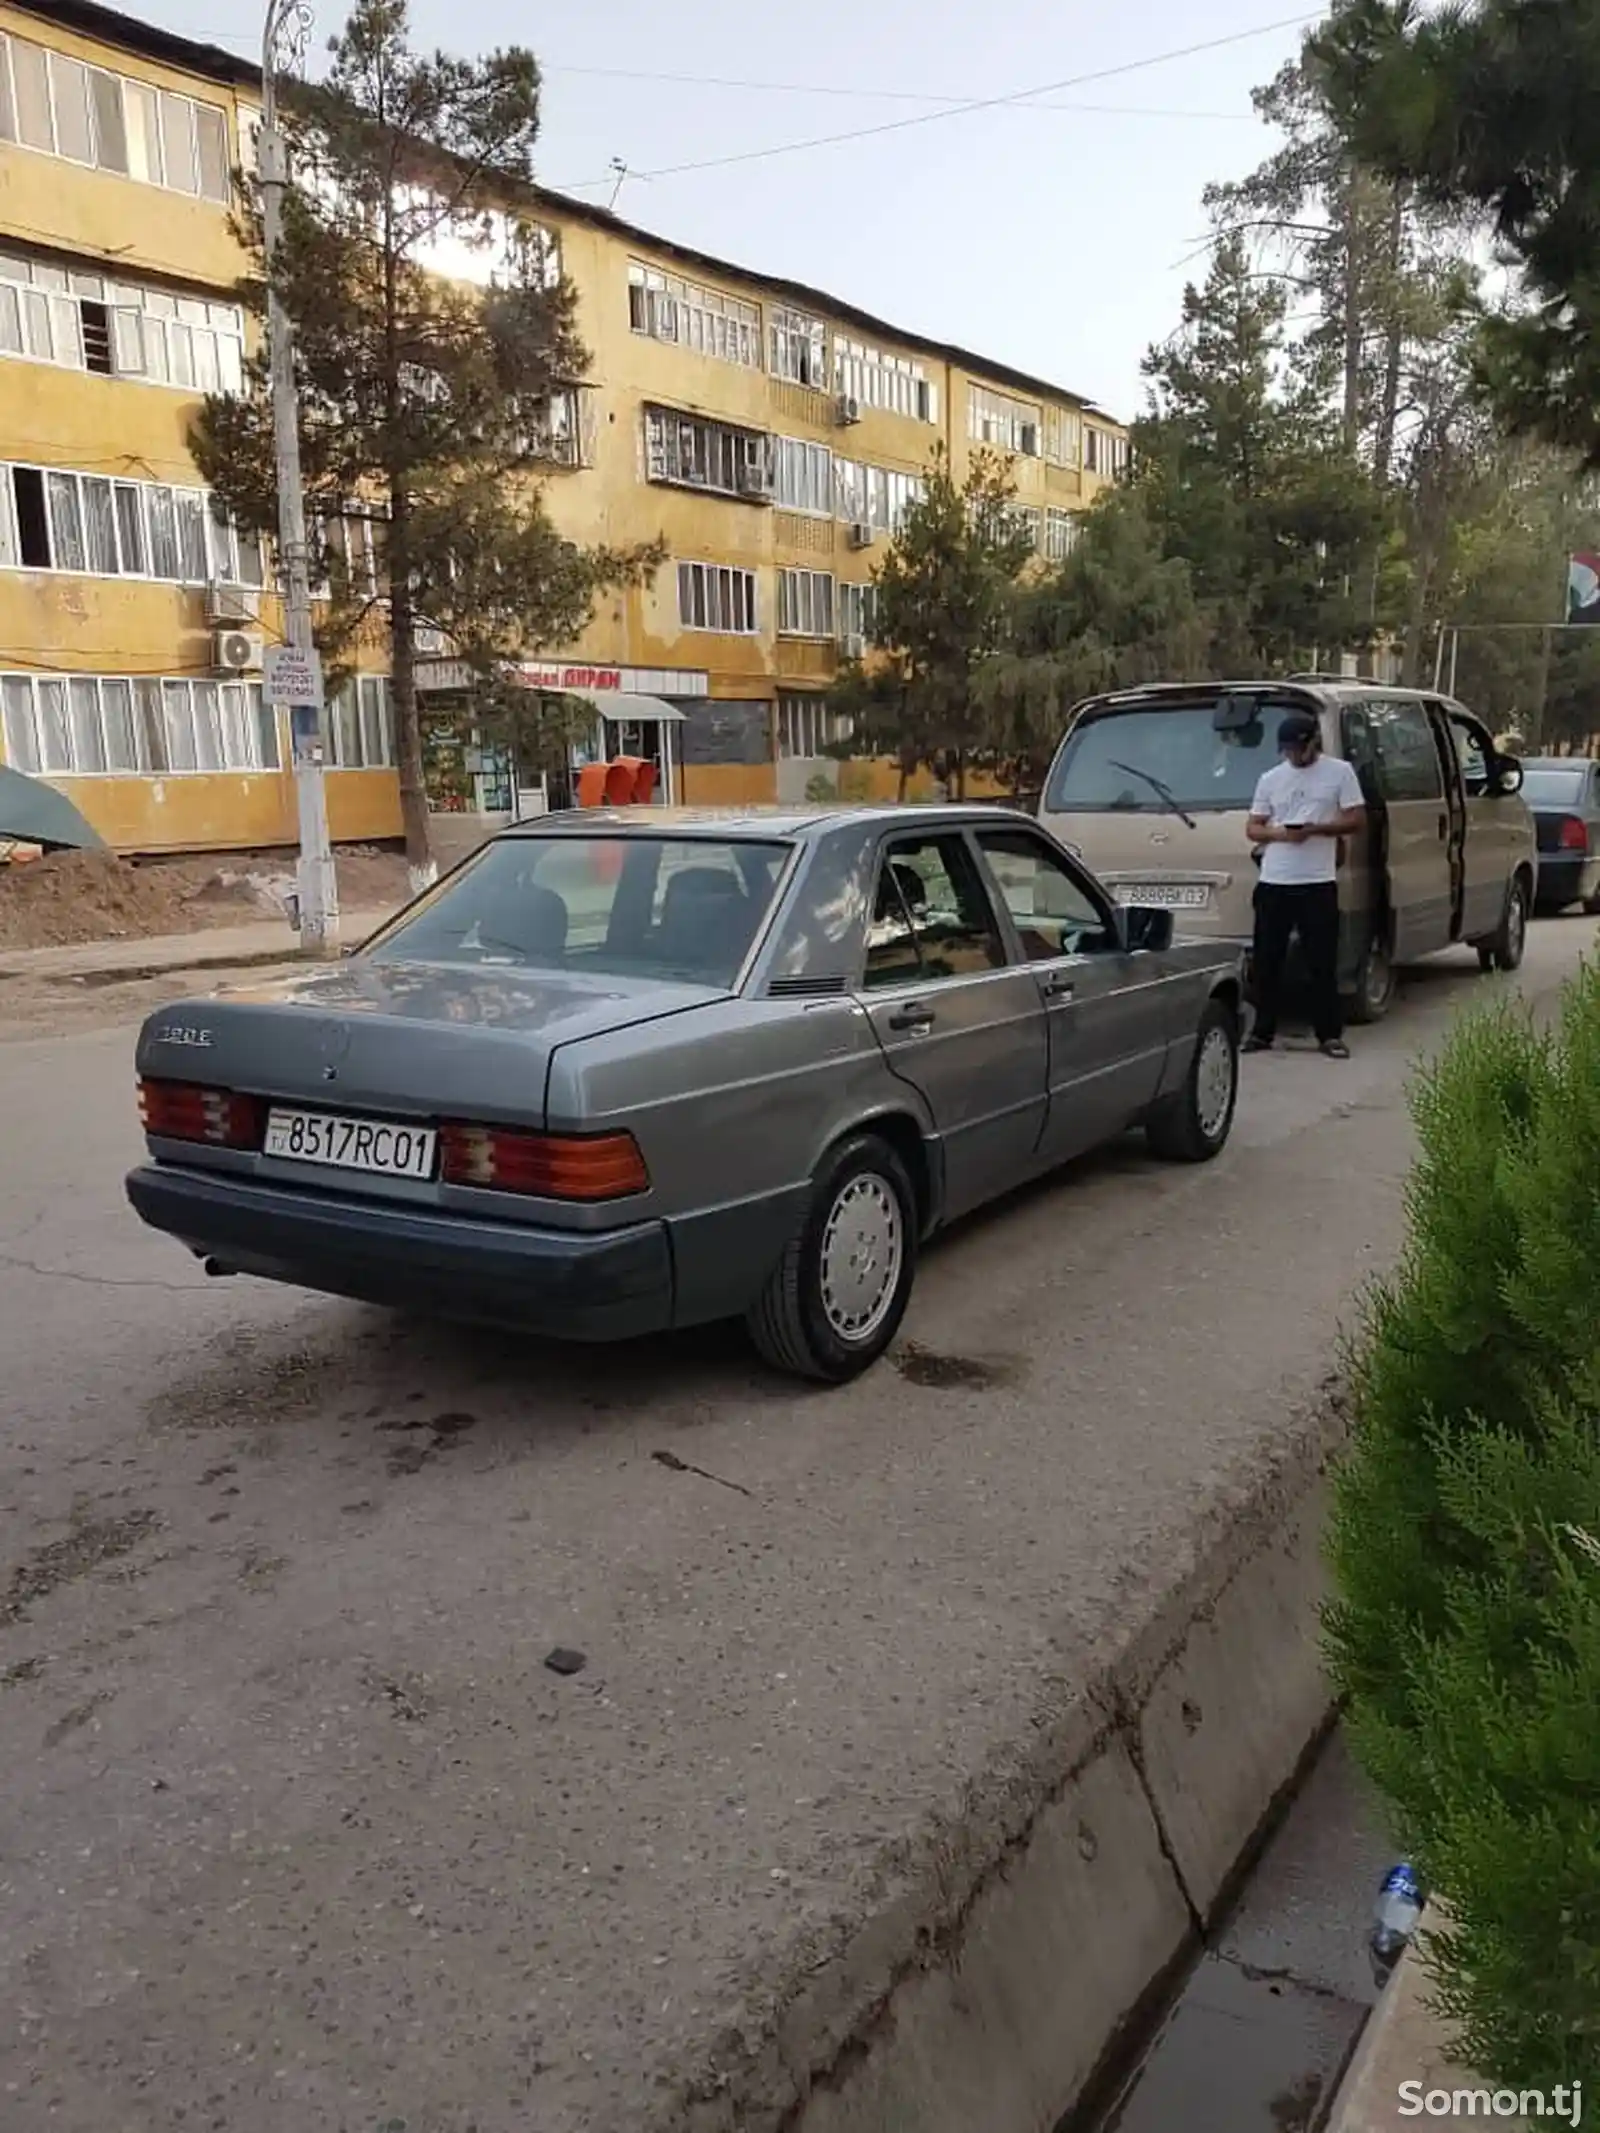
32, 812
622, 704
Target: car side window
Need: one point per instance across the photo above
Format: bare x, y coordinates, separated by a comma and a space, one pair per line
1405, 759
931, 916
1472, 753
1053, 912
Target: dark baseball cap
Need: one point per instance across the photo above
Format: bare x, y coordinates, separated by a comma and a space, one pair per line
1298, 728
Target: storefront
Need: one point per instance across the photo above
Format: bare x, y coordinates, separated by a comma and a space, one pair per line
476, 784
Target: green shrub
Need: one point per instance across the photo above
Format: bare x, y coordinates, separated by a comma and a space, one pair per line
1465, 1539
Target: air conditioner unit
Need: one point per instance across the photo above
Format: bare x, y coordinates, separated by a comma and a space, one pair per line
234, 604
848, 410
237, 651
755, 483
862, 535
852, 643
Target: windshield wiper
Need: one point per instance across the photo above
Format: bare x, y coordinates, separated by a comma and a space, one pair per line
1162, 792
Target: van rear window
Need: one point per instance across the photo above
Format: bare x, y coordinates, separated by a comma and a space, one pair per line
1119, 761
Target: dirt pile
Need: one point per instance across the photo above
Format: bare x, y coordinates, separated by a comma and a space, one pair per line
67, 897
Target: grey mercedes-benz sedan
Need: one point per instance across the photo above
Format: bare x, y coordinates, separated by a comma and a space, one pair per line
623, 1071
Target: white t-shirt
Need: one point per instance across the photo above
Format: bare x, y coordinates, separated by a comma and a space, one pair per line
1316, 793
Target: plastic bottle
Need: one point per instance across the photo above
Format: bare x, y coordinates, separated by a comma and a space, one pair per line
1394, 1919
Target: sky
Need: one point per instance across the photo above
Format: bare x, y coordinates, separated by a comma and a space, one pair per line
1054, 234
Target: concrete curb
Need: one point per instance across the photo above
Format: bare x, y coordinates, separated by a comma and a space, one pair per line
996, 1985
123, 962
1403, 2041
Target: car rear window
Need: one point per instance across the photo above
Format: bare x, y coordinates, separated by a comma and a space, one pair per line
686, 909
1118, 761
1554, 788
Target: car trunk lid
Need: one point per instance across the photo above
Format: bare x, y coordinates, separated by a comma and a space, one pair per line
402, 1039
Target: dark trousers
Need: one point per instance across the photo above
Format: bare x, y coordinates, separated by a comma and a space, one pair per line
1310, 909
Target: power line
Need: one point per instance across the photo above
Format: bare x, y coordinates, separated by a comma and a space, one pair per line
961, 110
873, 96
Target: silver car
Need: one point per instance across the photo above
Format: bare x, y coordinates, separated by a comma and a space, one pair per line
624, 1071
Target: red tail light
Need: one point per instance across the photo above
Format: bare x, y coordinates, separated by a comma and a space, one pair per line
1574, 834
181, 1111
590, 1166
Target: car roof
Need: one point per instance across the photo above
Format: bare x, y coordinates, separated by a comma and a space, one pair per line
756, 821
1329, 688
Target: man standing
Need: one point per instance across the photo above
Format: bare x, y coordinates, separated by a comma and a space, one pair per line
1300, 812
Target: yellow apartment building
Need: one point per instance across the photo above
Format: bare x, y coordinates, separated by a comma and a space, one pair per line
770, 433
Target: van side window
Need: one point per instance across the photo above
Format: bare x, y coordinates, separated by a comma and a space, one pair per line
1405, 759
1472, 753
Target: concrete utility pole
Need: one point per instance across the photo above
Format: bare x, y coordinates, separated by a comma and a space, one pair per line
287, 22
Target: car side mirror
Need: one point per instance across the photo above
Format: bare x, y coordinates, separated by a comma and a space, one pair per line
1505, 779
1148, 927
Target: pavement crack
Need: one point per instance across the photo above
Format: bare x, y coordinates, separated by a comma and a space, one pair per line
675, 1465
1264, 1974
1135, 1747
95, 1281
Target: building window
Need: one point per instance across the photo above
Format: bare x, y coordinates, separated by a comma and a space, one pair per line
713, 597
668, 308
558, 434
49, 314
799, 347
98, 725
89, 115
808, 727
892, 382
878, 497
858, 610
996, 419
347, 556
1104, 452
804, 477
1061, 531
361, 727
691, 453
1028, 519
54, 519
1063, 436
805, 603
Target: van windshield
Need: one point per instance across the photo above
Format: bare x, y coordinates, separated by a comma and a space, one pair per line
1117, 761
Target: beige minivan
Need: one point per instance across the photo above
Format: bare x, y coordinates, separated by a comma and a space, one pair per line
1153, 785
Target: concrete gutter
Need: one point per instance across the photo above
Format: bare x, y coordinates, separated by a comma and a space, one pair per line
1004, 1974
1404, 2041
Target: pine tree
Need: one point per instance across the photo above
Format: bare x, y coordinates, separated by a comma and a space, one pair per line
1465, 1540
427, 401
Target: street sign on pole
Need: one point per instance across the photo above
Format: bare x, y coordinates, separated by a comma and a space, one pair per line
290, 675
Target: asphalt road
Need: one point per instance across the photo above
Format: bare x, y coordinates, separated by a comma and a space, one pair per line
297, 1830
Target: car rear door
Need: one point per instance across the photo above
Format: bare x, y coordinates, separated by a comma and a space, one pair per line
958, 1019
1107, 1009
1409, 775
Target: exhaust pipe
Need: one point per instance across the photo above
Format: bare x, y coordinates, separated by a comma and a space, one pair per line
217, 1270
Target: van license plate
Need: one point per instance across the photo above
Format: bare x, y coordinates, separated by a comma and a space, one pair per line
375, 1145
1165, 895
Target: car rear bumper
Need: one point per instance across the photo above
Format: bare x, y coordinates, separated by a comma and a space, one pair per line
573, 1284
1567, 878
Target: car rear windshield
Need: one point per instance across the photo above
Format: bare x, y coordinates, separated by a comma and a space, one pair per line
1143, 760
1554, 788
685, 909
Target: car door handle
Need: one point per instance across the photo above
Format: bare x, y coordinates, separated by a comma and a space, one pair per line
917, 1018
1057, 985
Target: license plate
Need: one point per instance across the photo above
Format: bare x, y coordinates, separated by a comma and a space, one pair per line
371, 1144
1165, 895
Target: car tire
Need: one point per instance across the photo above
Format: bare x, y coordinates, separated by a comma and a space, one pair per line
1192, 1125
1591, 906
1372, 995
829, 1310
1504, 948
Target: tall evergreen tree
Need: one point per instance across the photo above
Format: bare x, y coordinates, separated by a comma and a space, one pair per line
428, 402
